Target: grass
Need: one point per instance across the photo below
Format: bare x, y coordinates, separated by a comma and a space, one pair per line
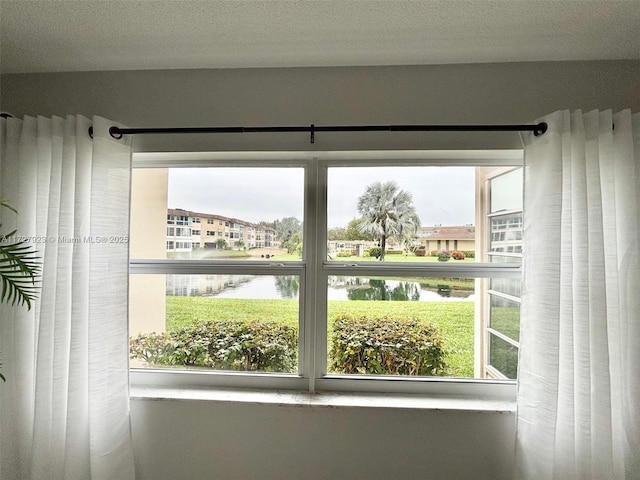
453, 319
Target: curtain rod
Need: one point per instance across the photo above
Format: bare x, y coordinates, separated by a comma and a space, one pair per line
537, 129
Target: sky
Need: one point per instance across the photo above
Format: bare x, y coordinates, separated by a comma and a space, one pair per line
441, 195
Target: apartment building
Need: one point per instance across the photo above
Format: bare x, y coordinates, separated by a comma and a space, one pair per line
188, 230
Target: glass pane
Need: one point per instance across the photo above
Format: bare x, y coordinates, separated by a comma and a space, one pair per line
401, 326
503, 356
506, 233
217, 213
510, 286
401, 214
504, 258
505, 317
506, 191
215, 322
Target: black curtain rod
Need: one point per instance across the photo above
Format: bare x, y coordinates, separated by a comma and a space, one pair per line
537, 129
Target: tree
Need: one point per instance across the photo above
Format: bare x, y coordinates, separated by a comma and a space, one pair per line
221, 243
354, 232
286, 227
387, 212
337, 233
293, 243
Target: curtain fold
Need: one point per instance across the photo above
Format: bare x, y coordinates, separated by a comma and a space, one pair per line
579, 369
64, 410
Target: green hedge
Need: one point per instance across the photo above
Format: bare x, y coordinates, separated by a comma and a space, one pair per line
393, 346
374, 252
222, 345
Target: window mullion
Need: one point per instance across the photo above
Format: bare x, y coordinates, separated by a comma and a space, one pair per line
320, 277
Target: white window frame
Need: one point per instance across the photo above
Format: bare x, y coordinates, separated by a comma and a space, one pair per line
489, 330
313, 270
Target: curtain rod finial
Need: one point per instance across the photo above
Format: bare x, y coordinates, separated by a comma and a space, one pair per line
540, 129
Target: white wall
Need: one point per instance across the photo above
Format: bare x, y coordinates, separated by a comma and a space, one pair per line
482, 93
204, 440
201, 440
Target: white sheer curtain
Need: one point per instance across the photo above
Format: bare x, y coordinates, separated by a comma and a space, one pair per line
579, 372
64, 409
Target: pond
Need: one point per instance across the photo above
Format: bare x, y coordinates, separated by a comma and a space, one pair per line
340, 288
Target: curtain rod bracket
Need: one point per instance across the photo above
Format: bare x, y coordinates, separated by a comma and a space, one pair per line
312, 133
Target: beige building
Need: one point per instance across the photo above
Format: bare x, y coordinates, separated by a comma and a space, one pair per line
450, 238
188, 230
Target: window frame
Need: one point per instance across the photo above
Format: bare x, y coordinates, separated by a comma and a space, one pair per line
490, 293
314, 269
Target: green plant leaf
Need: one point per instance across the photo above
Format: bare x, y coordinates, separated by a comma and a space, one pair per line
19, 269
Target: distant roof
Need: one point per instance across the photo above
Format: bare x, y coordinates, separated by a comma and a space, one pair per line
438, 232
189, 213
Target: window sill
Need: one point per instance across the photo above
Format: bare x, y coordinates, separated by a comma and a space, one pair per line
324, 399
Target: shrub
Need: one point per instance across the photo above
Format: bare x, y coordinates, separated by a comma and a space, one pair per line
457, 255
222, 345
394, 252
421, 252
375, 252
394, 346
444, 256
469, 253
345, 253
433, 253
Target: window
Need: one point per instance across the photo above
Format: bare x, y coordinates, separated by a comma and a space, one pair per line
504, 221
310, 276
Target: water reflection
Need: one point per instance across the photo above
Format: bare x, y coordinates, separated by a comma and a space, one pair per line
384, 290
288, 286
339, 288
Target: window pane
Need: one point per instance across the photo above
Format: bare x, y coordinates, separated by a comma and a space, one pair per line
217, 213
216, 322
411, 212
510, 286
505, 317
503, 356
401, 326
506, 191
504, 258
506, 233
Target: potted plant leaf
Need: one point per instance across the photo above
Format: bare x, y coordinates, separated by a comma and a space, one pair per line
19, 269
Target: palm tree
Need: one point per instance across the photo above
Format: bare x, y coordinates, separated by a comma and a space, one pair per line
387, 212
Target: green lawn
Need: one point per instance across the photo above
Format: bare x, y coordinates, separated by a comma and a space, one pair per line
453, 319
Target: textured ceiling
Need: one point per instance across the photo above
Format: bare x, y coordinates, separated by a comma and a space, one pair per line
78, 35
